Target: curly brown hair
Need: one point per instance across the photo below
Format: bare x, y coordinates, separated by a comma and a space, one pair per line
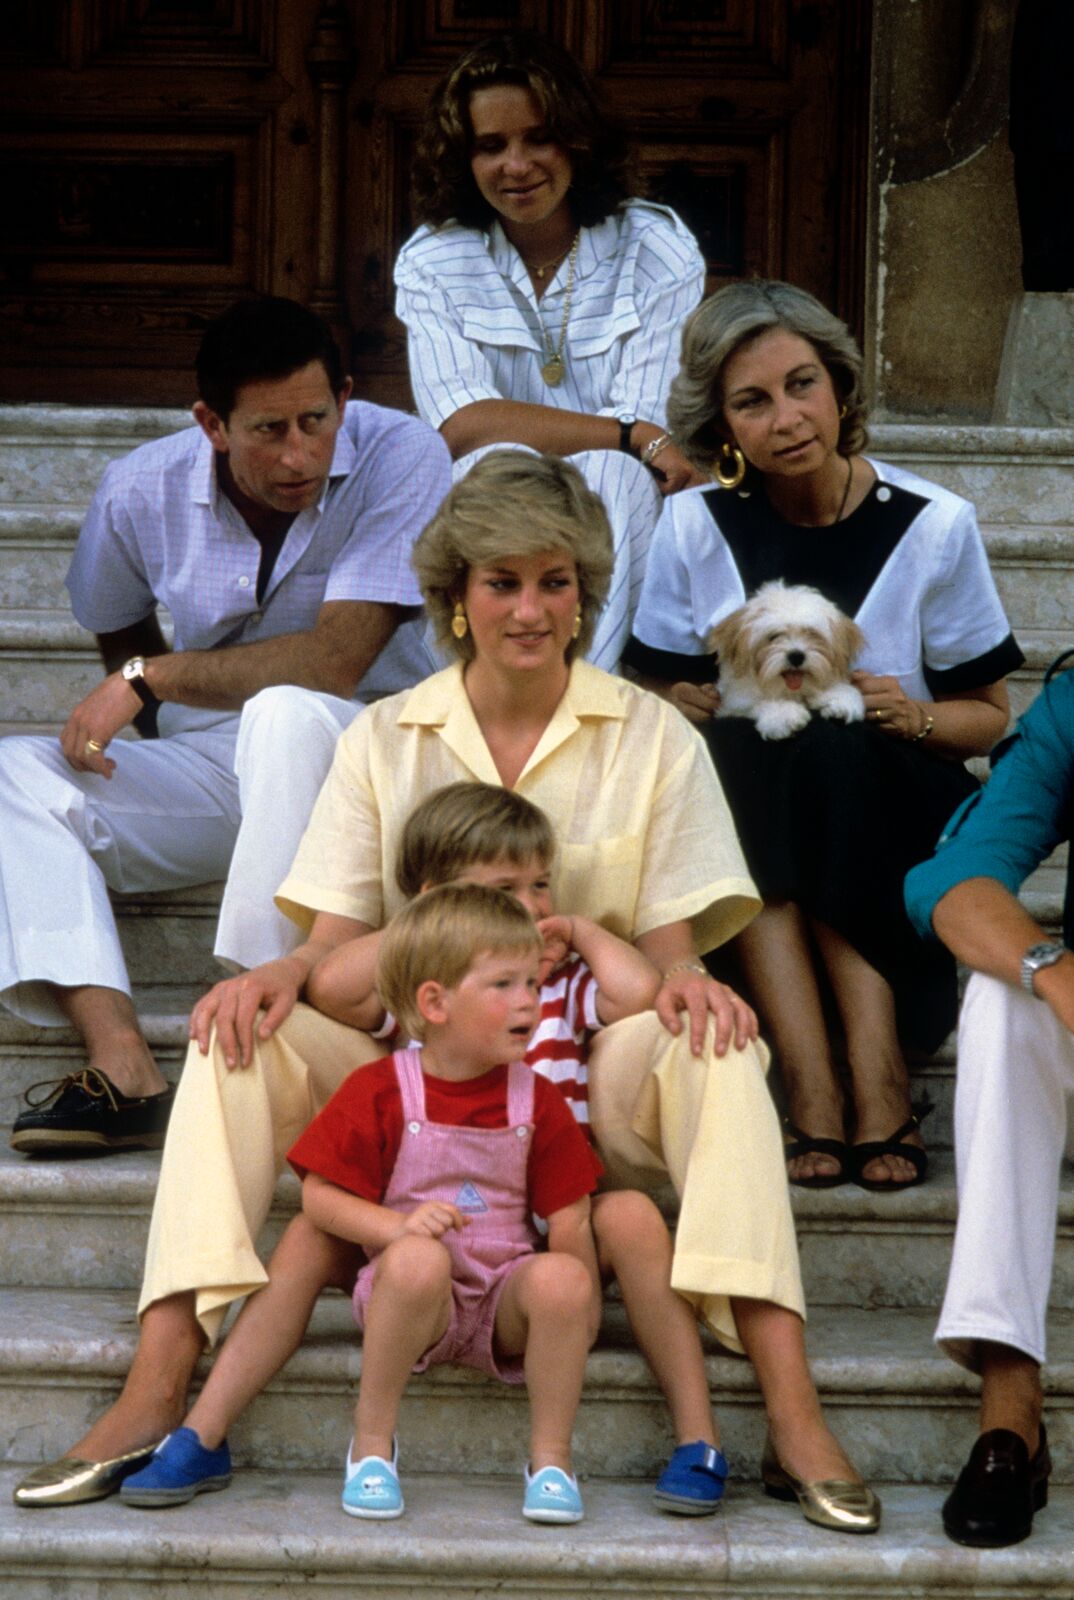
442, 183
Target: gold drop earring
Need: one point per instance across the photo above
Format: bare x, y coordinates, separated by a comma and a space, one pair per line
577, 628
730, 466
459, 625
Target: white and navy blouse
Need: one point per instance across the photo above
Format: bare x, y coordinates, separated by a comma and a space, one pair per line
908, 564
476, 330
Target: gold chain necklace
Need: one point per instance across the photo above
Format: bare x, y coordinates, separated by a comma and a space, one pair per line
554, 368
540, 271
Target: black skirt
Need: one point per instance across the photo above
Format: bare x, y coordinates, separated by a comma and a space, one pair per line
832, 819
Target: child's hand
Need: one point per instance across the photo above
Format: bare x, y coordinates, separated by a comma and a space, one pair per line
432, 1219
558, 936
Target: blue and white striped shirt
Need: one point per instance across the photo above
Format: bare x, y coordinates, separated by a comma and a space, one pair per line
476, 330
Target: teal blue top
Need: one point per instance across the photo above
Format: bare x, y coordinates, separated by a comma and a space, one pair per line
1008, 828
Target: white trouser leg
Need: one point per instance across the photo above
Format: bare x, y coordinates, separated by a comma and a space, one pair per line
1015, 1079
287, 738
632, 502
165, 819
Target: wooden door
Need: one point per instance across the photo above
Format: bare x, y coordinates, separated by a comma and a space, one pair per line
160, 157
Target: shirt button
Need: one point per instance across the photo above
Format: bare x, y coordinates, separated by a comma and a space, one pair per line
244, 582
883, 493
522, 1132
413, 1127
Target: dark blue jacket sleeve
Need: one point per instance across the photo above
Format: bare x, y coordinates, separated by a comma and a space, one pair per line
1010, 826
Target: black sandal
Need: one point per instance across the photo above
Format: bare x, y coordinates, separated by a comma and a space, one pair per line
806, 1145
862, 1154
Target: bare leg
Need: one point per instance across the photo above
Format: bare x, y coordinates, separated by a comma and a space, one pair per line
271, 1325
154, 1397
633, 1243
774, 1339
1011, 1395
408, 1311
543, 1311
777, 963
877, 1068
114, 1042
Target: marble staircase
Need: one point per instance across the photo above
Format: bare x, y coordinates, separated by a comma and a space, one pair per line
72, 1235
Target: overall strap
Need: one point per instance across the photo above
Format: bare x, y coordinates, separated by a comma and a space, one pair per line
520, 1089
411, 1084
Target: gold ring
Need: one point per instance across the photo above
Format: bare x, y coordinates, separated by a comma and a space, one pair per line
879, 715
95, 746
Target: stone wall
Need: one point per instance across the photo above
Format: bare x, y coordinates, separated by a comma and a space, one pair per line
944, 249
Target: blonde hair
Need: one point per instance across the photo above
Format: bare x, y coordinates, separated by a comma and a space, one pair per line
439, 936
513, 503
467, 823
730, 319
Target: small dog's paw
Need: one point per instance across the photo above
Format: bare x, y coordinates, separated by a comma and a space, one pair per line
841, 701
778, 719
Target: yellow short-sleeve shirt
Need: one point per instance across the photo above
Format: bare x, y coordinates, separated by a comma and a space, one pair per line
644, 834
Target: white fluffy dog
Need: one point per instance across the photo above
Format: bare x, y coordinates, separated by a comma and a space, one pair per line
785, 654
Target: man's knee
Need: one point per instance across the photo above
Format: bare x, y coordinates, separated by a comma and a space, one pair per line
285, 712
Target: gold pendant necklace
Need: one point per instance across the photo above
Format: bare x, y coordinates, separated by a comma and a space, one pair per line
554, 368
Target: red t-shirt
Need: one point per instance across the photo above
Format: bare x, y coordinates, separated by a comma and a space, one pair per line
354, 1141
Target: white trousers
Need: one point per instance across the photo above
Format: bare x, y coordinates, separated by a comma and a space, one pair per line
1012, 1126
168, 818
633, 504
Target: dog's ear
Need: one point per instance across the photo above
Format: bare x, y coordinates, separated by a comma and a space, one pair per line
729, 642
848, 640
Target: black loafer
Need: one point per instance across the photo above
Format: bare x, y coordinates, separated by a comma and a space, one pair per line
87, 1112
998, 1490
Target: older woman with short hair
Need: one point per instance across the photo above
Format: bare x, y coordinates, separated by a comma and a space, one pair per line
514, 568
769, 398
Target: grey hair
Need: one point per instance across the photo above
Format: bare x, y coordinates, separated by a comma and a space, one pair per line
731, 318
514, 503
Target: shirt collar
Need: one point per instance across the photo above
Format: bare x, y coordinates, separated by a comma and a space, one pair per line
441, 703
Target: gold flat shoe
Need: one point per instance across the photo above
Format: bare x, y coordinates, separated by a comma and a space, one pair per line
836, 1503
71, 1481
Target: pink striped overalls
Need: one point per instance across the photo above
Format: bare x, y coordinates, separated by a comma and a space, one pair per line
482, 1171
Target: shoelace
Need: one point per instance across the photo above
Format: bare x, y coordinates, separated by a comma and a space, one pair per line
89, 1080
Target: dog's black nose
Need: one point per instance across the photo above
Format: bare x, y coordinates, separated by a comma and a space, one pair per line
795, 658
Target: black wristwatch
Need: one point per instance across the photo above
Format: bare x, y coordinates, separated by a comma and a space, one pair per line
134, 672
626, 423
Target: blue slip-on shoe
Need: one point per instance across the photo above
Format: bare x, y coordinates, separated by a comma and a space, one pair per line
181, 1468
692, 1483
551, 1496
371, 1486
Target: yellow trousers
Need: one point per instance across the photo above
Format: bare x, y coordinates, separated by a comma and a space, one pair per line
657, 1111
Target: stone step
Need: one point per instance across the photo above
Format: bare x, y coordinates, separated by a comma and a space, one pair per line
901, 1408
55, 455
273, 1534
82, 1224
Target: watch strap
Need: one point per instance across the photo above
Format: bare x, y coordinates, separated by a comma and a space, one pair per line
134, 672
1039, 956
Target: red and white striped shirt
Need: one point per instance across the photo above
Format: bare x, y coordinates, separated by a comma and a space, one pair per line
559, 1048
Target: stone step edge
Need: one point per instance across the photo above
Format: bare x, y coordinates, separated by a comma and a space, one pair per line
470, 1538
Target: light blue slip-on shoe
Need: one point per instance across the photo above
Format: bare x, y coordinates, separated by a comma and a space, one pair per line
551, 1496
181, 1467
692, 1483
371, 1487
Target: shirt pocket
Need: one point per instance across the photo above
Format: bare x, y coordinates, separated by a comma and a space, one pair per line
601, 879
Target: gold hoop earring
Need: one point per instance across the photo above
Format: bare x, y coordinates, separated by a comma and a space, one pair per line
459, 625
576, 630
730, 466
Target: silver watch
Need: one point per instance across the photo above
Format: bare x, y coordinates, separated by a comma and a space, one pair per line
1045, 954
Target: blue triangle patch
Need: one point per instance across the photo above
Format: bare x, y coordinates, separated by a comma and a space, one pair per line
469, 1199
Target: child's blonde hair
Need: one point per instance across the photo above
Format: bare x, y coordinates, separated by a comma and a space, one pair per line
440, 935
467, 823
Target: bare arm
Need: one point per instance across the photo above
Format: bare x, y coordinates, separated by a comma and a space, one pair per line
560, 433
963, 725
627, 981
343, 983
348, 1216
982, 923
690, 989
333, 655
232, 1005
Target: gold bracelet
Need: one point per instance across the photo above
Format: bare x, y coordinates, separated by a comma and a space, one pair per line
926, 730
693, 965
